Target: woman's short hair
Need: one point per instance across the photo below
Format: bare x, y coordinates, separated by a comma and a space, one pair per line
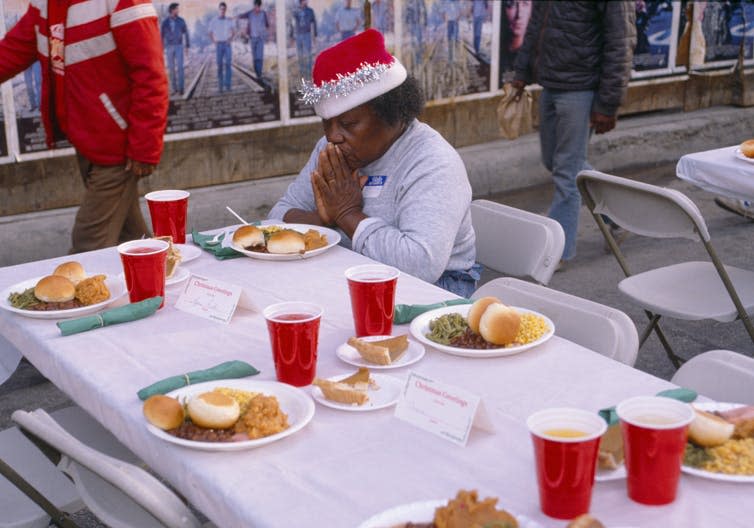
401, 104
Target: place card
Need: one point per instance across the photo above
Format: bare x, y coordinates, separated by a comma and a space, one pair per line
441, 409
209, 298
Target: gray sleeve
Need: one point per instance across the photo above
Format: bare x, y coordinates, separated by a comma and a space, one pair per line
617, 56
299, 194
430, 210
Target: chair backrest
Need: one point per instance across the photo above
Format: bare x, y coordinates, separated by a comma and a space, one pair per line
601, 328
516, 242
133, 482
719, 374
642, 208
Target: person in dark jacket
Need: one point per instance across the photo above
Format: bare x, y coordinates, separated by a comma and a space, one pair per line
173, 31
581, 53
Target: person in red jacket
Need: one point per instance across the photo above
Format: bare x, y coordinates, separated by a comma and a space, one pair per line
104, 88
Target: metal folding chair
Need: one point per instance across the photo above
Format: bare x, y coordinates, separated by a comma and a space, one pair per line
691, 291
722, 375
119, 493
605, 330
516, 242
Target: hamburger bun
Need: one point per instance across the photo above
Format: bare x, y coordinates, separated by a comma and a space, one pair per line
708, 430
54, 288
71, 270
499, 324
214, 410
747, 148
286, 242
476, 311
248, 236
163, 412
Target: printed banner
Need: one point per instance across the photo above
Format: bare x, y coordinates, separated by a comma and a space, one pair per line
514, 19
3, 139
725, 25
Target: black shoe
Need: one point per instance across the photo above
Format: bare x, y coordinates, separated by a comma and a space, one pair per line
735, 207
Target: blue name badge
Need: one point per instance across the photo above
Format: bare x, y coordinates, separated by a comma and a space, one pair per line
374, 186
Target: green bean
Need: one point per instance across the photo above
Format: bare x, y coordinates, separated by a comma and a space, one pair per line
23, 300
446, 327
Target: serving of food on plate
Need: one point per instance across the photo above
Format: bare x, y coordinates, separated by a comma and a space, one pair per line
360, 391
487, 328
466, 510
278, 239
67, 288
720, 444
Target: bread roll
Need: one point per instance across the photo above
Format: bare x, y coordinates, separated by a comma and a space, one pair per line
286, 242
476, 311
585, 521
163, 412
499, 324
708, 430
71, 270
747, 148
214, 410
248, 236
54, 288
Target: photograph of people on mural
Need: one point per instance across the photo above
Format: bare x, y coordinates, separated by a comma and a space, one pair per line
514, 18
654, 29
725, 25
222, 63
446, 45
3, 142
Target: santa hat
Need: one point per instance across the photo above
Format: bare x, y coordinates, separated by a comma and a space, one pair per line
351, 73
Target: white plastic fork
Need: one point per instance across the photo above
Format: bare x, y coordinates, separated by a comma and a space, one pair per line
215, 240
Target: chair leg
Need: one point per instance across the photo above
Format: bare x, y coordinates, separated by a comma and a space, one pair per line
58, 517
654, 324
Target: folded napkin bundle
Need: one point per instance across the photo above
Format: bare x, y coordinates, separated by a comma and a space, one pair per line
680, 394
122, 314
405, 313
220, 251
227, 370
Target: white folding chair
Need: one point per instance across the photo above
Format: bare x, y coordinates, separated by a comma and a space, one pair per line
119, 493
515, 242
595, 326
719, 374
691, 291
10, 357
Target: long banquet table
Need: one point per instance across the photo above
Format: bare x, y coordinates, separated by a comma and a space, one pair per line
344, 466
719, 171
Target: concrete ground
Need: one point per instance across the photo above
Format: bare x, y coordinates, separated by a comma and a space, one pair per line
593, 274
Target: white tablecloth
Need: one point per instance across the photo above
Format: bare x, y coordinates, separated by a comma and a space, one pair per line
344, 466
720, 172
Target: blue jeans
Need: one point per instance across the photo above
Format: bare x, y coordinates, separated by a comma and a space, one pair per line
452, 38
346, 34
257, 51
223, 65
175, 66
304, 53
478, 23
564, 137
461, 283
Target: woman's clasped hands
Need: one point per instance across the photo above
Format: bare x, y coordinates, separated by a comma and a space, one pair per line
337, 190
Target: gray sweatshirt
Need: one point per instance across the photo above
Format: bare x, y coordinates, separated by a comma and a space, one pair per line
417, 199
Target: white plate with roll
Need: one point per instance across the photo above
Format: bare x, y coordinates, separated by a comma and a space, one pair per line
333, 238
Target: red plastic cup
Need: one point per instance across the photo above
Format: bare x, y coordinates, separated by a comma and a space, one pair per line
144, 268
566, 443
294, 333
654, 439
168, 211
372, 289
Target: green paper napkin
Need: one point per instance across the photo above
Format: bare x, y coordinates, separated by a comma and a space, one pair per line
405, 313
122, 314
681, 394
220, 252
227, 370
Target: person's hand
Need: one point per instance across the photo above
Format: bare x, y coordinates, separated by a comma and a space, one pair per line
602, 123
139, 169
337, 189
518, 86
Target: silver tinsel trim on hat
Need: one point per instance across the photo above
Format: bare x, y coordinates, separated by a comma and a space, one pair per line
343, 85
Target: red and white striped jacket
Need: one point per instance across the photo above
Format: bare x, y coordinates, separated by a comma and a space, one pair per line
116, 91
